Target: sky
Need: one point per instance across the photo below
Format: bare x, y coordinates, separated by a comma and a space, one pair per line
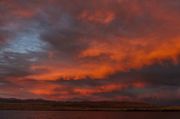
90, 50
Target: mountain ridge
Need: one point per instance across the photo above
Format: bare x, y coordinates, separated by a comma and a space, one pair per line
49, 105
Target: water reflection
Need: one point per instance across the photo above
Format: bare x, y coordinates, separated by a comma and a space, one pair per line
87, 115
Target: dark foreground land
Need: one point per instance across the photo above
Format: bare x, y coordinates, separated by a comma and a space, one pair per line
42, 105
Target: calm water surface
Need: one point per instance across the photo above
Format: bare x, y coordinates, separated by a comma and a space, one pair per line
87, 115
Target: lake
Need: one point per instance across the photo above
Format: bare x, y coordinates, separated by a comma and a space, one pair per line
87, 115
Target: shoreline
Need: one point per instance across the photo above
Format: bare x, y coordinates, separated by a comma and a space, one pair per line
76, 107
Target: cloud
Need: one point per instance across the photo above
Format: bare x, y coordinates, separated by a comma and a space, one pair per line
93, 43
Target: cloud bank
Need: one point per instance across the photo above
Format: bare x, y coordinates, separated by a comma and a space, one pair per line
90, 50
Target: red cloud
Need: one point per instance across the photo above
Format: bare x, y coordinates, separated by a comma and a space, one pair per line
92, 40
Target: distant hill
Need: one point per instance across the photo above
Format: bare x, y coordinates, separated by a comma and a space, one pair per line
14, 100
45, 105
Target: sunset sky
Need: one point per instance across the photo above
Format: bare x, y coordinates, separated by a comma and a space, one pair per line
95, 50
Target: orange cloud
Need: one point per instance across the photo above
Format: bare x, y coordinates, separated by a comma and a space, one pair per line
24, 13
107, 88
121, 55
48, 91
44, 89
140, 85
100, 89
99, 17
